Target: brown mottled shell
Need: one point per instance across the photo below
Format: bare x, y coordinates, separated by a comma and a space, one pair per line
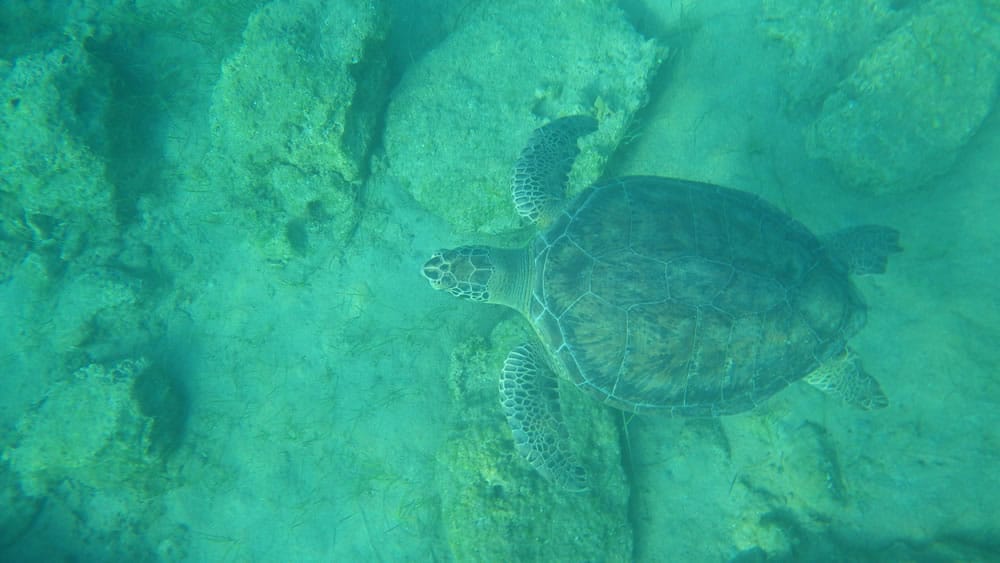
689, 298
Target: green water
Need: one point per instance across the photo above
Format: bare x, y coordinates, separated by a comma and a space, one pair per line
217, 345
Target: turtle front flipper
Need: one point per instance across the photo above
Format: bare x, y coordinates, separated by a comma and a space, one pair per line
843, 376
530, 400
541, 172
864, 249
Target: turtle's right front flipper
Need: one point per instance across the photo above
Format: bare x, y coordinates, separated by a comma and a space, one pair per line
530, 400
541, 172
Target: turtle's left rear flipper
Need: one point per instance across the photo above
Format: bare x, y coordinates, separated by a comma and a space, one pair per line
844, 377
864, 249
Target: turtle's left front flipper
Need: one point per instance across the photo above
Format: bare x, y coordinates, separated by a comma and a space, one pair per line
864, 249
530, 400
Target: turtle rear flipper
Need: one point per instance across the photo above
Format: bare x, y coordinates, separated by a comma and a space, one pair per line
844, 377
864, 249
540, 174
530, 400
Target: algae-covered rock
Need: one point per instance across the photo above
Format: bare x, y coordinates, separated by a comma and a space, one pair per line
824, 42
55, 200
19, 510
791, 496
767, 483
104, 427
914, 100
99, 310
495, 507
294, 115
462, 113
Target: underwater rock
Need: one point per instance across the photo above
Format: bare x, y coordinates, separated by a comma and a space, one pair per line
294, 116
914, 100
20, 512
56, 203
494, 506
106, 427
822, 44
459, 116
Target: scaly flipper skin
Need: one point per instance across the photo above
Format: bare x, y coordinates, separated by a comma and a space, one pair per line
530, 399
844, 377
540, 174
864, 249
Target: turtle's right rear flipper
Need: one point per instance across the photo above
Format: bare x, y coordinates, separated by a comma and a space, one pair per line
530, 400
864, 249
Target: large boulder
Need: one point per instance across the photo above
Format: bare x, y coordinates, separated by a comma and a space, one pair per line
914, 100
462, 113
485, 486
56, 203
294, 119
821, 45
106, 426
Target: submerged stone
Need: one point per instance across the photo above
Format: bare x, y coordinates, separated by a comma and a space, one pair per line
460, 114
914, 100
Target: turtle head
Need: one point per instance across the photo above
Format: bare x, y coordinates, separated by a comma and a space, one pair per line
463, 272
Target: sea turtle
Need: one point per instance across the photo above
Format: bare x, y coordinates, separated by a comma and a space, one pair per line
662, 295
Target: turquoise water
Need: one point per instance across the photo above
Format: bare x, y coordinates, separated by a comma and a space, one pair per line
217, 344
